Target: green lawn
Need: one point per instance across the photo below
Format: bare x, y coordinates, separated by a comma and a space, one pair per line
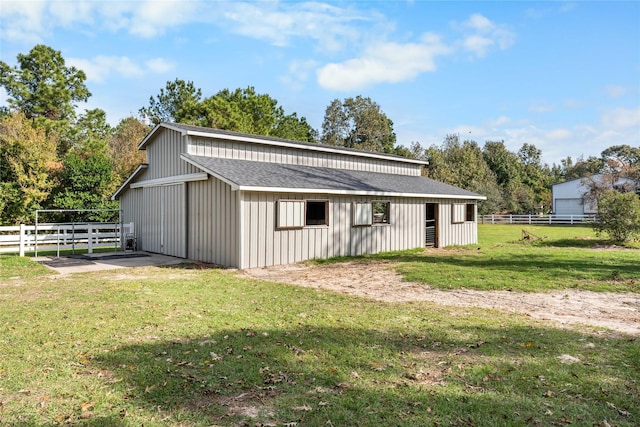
562, 257
198, 347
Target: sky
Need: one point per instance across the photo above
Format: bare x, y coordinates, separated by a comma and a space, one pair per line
563, 76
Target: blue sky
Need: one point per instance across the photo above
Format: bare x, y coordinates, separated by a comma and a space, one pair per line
564, 76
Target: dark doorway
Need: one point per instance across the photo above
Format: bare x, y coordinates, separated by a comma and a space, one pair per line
431, 238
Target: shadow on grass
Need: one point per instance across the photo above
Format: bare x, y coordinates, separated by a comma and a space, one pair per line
352, 376
192, 265
536, 268
577, 243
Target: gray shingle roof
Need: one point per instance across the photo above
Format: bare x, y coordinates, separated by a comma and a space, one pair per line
245, 174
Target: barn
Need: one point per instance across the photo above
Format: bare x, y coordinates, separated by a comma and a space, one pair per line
569, 197
249, 201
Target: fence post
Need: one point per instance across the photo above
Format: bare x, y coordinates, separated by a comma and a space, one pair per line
529, 219
550, 219
90, 238
510, 219
22, 237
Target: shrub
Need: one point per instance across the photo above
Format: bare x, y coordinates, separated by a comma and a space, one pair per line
618, 215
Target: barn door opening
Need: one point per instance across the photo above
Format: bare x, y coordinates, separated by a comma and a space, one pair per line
164, 231
431, 234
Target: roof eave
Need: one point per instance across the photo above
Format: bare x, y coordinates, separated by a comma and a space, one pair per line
359, 192
125, 184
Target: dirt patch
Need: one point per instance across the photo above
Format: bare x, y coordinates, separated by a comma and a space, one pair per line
378, 280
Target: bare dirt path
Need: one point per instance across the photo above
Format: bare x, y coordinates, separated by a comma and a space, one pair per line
378, 280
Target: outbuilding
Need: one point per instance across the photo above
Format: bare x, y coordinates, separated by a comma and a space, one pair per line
248, 201
571, 197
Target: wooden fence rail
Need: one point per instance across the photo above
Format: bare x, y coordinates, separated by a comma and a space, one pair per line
57, 236
539, 219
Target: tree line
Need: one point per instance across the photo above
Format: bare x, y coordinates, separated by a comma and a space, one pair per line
51, 157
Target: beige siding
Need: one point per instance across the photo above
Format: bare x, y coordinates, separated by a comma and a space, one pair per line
212, 147
133, 210
264, 244
465, 233
162, 226
207, 221
213, 226
163, 156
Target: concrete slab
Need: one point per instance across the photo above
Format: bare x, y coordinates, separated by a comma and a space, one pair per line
105, 261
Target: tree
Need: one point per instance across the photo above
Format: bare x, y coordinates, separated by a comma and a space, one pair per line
622, 160
178, 102
240, 110
535, 175
358, 123
90, 134
27, 160
246, 111
502, 162
618, 215
581, 168
123, 147
86, 183
42, 86
462, 164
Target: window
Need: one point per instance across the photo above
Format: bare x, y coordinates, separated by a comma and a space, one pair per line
290, 214
369, 213
362, 213
380, 212
300, 213
471, 212
317, 213
461, 212
457, 213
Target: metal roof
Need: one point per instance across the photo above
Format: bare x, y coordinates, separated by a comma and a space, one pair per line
278, 177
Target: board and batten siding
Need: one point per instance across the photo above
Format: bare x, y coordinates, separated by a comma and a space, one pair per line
450, 234
133, 210
163, 156
213, 222
211, 147
163, 229
263, 244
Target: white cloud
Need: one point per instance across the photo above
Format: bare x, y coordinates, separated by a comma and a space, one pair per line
298, 73
385, 62
21, 21
159, 65
100, 68
500, 121
392, 62
559, 134
478, 44
481, 35
68, 13
623, 118
32, 21
152, 18
616, 91
332, 27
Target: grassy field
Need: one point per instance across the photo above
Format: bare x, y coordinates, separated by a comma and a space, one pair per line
561, 258
185, 346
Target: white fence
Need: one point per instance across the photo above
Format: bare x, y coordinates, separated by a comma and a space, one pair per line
539, 219
47, 237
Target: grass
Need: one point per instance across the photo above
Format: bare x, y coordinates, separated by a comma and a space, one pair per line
200, 347
562, 258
